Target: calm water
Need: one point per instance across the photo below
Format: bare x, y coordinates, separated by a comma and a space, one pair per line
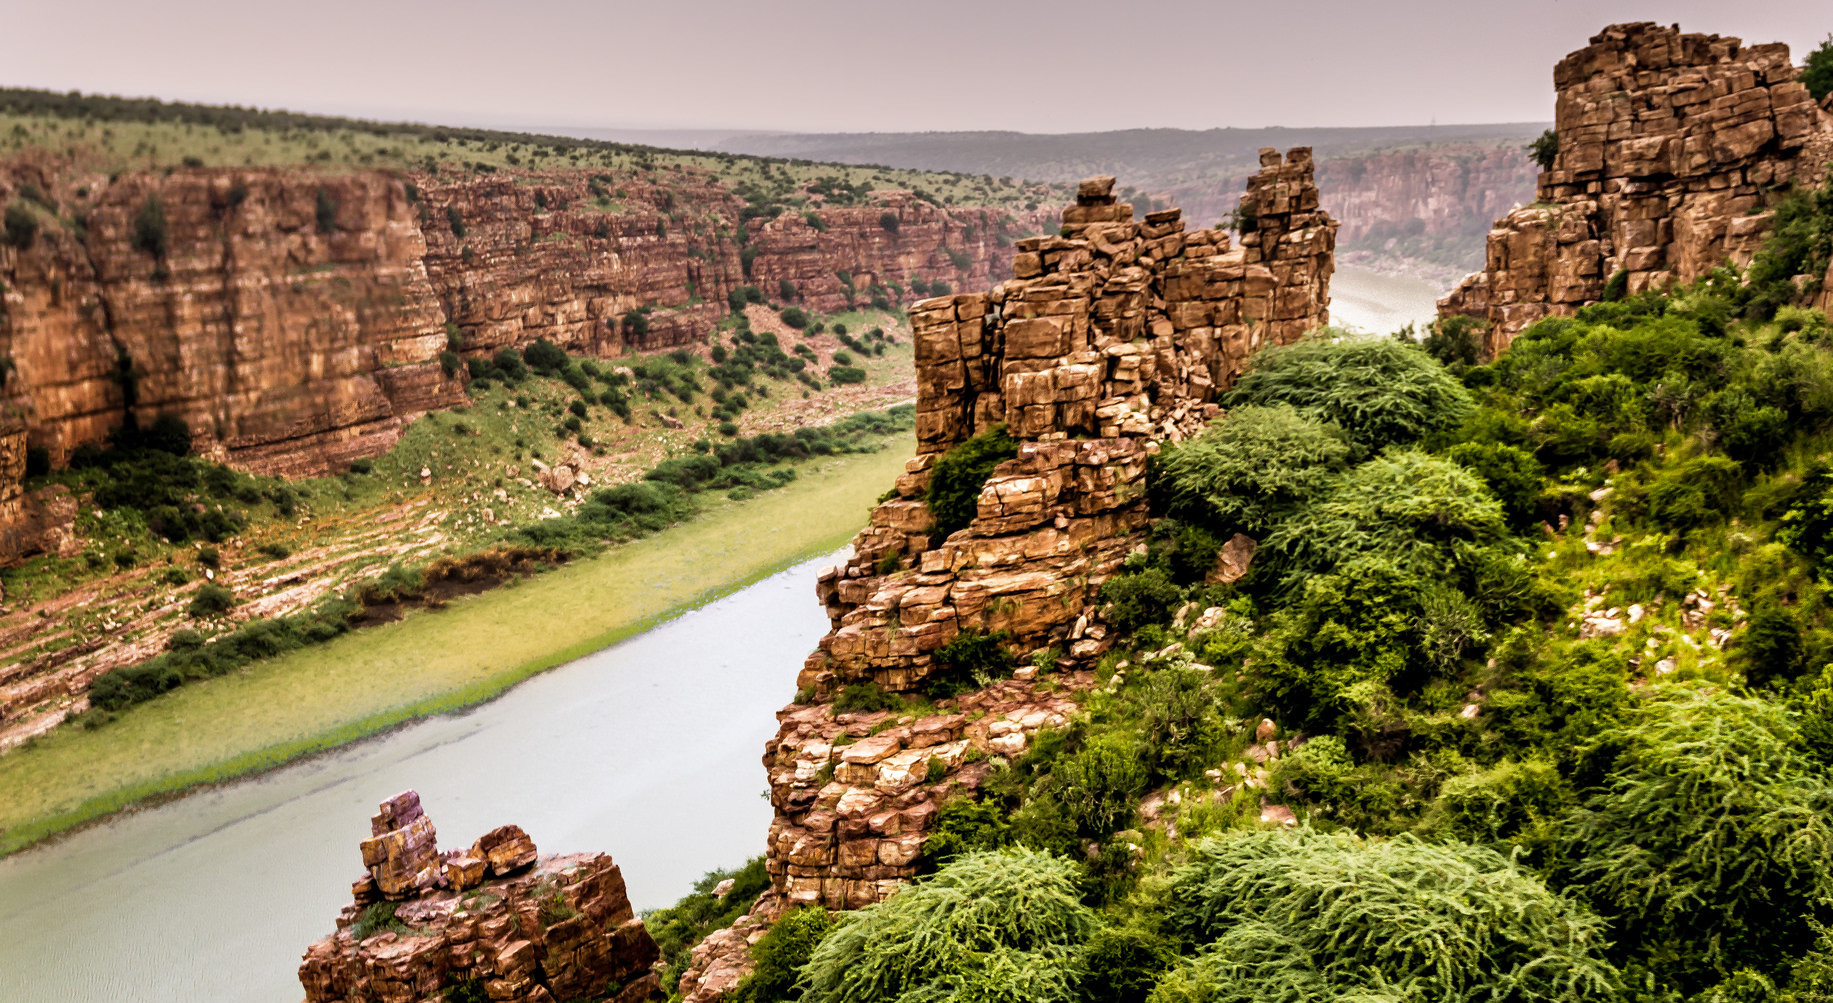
1378, 303
648, 750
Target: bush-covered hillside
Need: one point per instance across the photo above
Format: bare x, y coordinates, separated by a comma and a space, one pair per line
1527, 695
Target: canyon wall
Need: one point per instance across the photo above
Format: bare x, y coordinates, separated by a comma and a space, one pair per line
1422, 203
294, 319
1673, 150
1110, 339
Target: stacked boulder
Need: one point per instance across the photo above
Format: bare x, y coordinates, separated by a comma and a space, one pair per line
1673, 149
1111, 338
497, 921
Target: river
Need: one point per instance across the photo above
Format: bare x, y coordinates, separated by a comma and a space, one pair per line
1380, 303
648, 750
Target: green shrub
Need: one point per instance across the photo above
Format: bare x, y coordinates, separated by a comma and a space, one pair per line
971, 660
863, 698
1698, 492
1005, 919
1303, 916
780, 954
1416, 511
1100, 785
456, 221
1251, 469
1132, 600
846, 374
21, 226
1616, 287
1707, 843
1817, 70
1381, 392
889, 221
795, 317
1544, 149
211, 600
150, 228
1508, 801
1455, 341
1512, 475
958, 475
964, 825
1120, 964
1772, 648
325, 210
1179, 720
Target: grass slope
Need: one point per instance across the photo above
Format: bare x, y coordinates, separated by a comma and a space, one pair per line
365, 682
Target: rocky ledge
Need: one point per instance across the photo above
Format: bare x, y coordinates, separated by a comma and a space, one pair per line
496, 922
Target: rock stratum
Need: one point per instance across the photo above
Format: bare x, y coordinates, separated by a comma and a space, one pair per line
1108, 340
295, 319
497, 922
1673, 151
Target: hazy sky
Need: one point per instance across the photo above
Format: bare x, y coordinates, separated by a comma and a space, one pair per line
860, 65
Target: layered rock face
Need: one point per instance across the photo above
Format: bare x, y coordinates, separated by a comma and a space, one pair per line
286, 317
1433, 204
294, 319
1110, 339
1672, 150
497, 920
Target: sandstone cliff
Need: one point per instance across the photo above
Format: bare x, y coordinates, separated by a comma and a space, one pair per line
495, 922
1672, 150
293, 319
1109, 339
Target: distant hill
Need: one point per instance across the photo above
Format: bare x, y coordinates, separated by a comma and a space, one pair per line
1414, 197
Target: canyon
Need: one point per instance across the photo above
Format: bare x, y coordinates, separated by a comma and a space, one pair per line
292, 318
1674, 149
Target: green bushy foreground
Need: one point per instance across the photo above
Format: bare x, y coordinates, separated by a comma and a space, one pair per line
1549, 653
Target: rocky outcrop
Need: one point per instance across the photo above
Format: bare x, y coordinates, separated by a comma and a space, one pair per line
1110, 338
496, 920
1673, 148
294, 319
856, 794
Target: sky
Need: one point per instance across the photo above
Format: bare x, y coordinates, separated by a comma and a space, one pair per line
856, 65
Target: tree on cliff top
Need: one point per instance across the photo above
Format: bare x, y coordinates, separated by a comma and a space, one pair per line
1817, 70
1544, 149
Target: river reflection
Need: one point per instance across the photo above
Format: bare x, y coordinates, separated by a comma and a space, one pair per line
648, 750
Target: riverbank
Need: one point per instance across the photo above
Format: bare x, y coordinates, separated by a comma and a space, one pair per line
430, 662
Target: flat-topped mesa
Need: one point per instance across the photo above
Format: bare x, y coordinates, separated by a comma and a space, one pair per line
498, 918
1673, 149
1110, 338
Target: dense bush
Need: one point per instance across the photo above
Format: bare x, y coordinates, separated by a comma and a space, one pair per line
1817, 70
1251, 469
990, 925
150, 233
957, 476
1416, 511
843, 375
1707, 844
21, 226
1304, 916
1380, 392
